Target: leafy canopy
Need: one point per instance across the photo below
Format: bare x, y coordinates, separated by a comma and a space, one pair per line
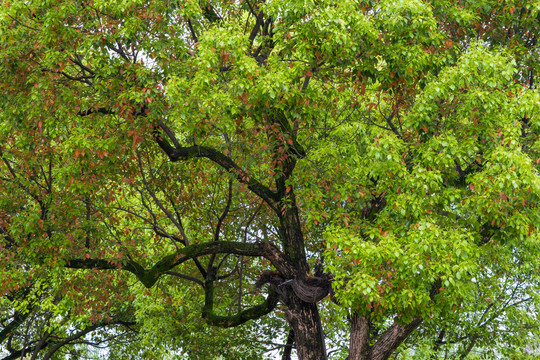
160, 158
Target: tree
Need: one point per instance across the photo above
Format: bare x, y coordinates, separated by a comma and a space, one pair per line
383, 153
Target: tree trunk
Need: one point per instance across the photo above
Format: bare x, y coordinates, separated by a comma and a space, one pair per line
292, 237
359, 348
303, 317
384, 346
305, 321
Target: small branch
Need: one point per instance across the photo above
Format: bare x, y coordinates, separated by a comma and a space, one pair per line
209, 12
469, 348
288, 346
258, 23
391, 124
77, 61
185, 277
84, 78
158, 202
80, 334
306, 83
241, 317
192, 31
225, 211
95, 111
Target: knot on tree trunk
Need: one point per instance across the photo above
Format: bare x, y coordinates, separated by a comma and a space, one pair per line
311, 288
308, 288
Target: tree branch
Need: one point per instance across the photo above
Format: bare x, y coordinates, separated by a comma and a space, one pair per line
397, 333
179, 153
79, 334
288, 346
192, 31
225, 211
149, 277
241, 317
95, 111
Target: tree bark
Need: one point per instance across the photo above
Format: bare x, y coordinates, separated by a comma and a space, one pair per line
292, 237
303, 317
305, 321
392, 338
359, 348
384, 346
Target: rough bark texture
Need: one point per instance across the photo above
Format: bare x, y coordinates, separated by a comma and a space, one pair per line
392, 338
359, 348
384, 346
389, 341
291, 233
303, 317
305, 321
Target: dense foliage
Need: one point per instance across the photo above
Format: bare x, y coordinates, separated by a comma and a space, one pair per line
206, 179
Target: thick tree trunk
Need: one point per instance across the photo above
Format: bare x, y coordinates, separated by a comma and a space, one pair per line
359, 348
384, 346
392, 338
305, 321
292, 237
303, 317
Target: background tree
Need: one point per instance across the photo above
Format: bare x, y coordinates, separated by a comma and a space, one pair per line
385, 150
